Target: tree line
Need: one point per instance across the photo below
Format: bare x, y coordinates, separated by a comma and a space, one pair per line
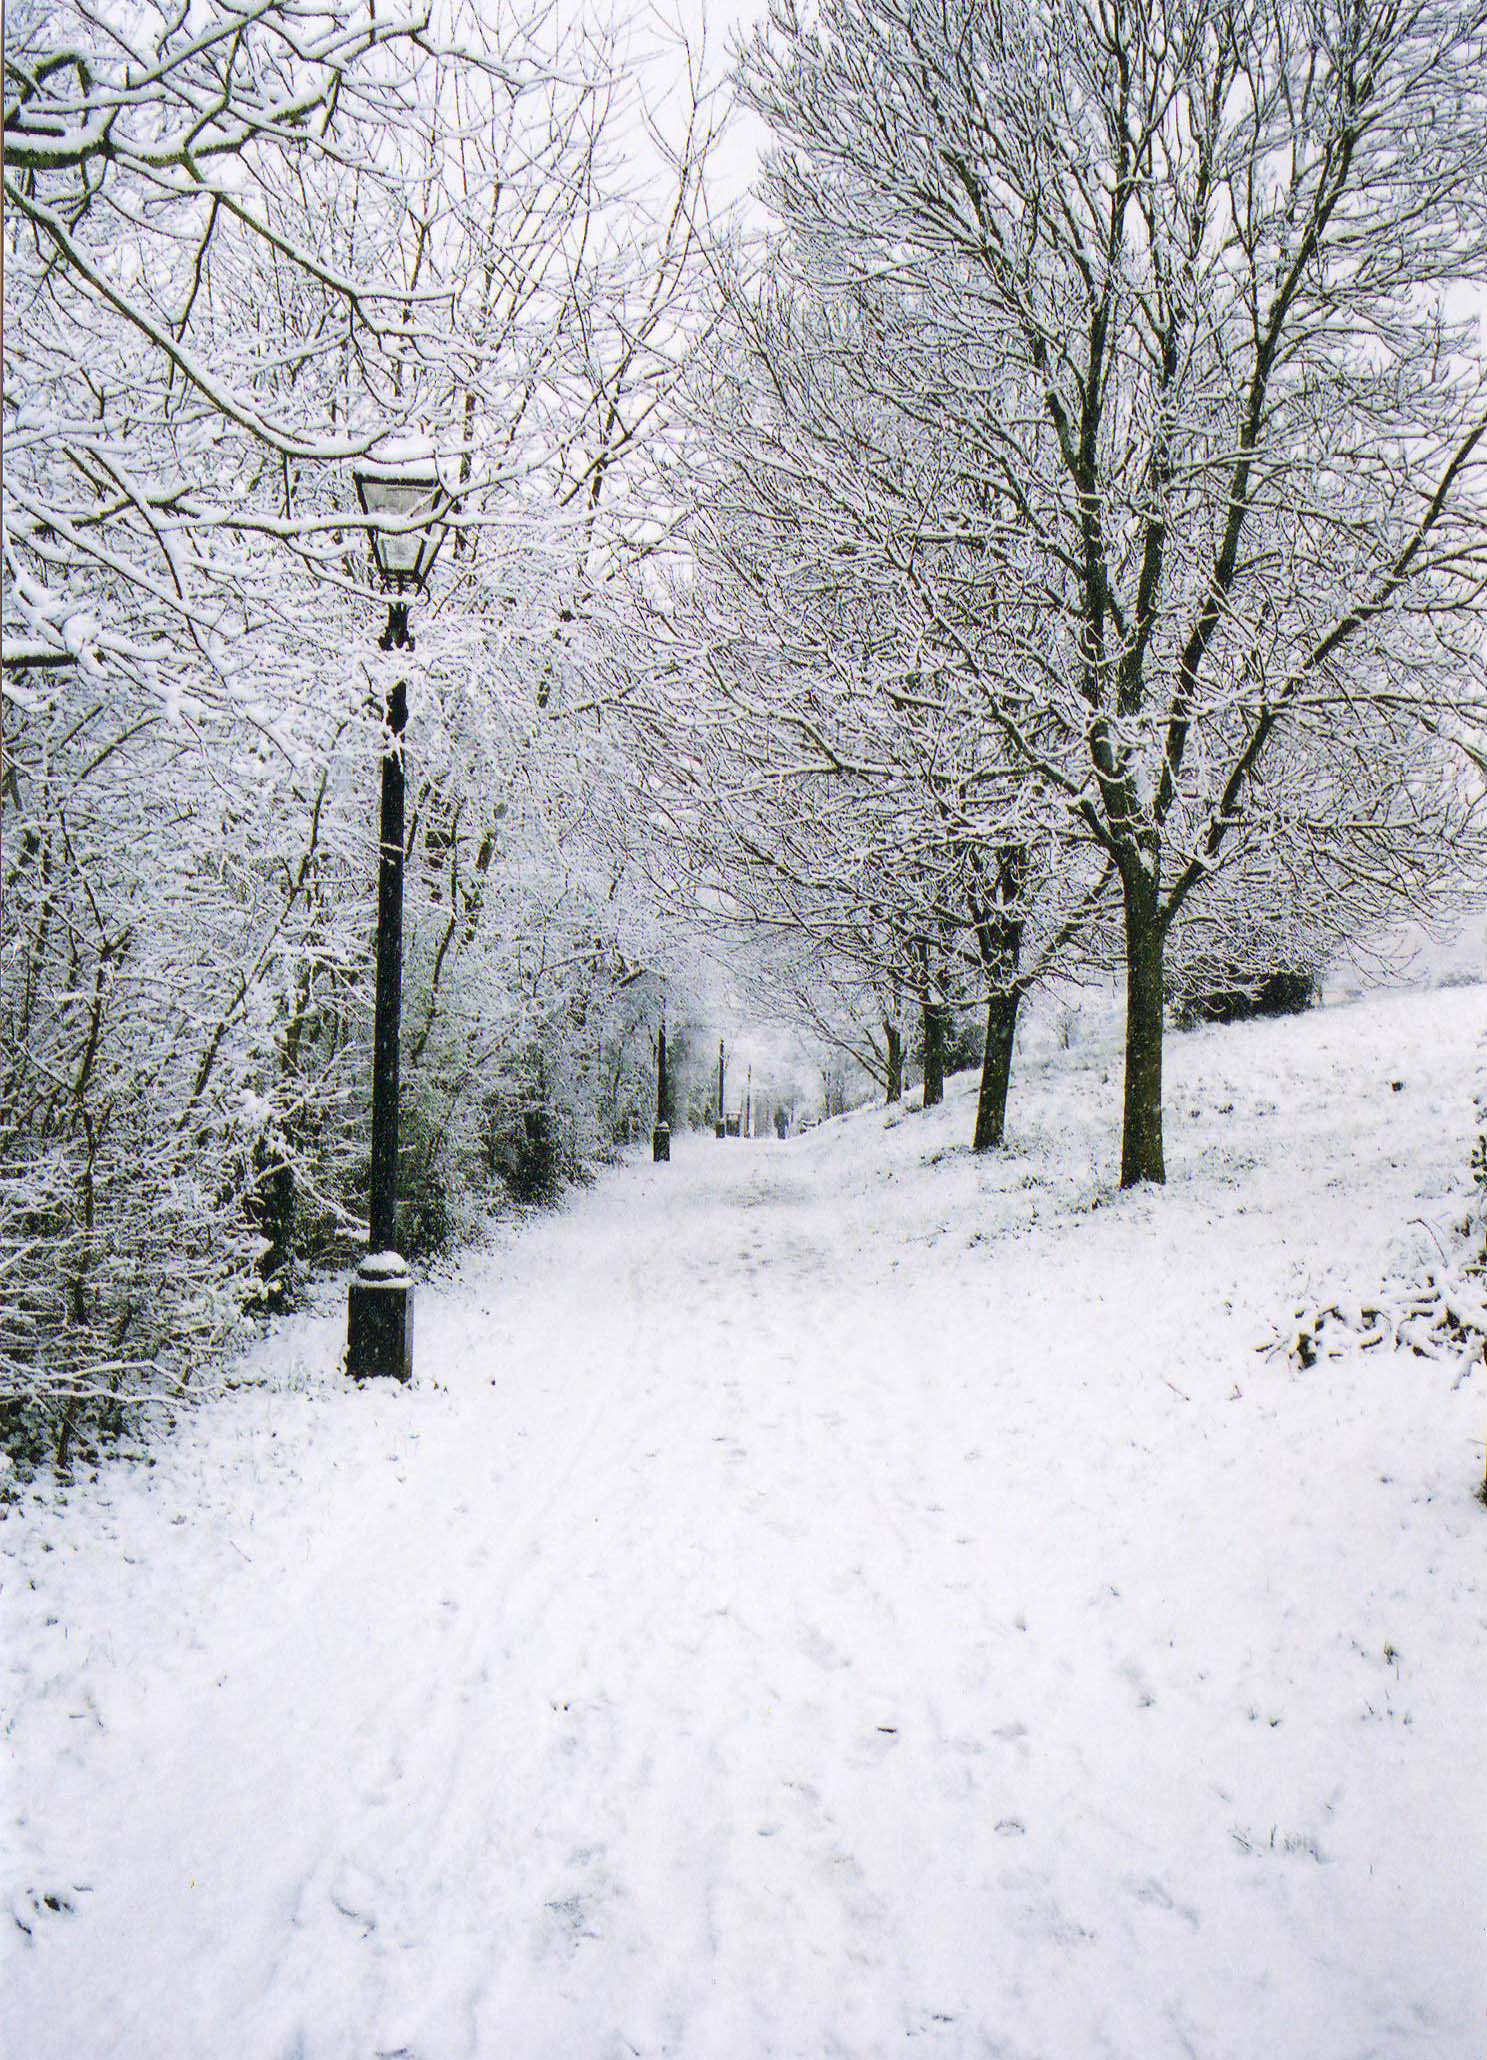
1088, 567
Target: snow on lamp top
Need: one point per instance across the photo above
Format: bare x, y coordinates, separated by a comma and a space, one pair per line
401, 486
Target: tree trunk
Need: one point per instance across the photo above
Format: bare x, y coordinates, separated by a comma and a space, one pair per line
895, 1041
996, 1071
1141, 1138
999, 941
936, 1025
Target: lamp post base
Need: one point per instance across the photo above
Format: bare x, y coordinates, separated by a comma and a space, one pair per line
661, 1143
379, 1327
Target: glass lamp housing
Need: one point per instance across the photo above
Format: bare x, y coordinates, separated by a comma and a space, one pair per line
412, 501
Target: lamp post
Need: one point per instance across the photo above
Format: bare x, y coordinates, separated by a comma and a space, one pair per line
407, 503
661, 1135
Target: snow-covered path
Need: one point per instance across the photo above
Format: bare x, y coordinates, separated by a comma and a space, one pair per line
817, 1601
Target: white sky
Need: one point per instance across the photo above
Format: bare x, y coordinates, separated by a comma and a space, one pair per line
714, 28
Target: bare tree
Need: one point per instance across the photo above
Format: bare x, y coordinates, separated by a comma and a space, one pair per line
1194, 266
813, 718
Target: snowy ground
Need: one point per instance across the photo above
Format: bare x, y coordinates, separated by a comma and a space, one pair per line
839, 1598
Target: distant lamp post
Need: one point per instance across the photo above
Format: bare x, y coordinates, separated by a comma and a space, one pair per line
407, 504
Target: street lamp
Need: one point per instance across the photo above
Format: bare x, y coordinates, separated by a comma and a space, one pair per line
661, 1135
407, 503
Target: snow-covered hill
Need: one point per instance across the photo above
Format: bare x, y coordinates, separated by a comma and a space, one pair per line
835, 1598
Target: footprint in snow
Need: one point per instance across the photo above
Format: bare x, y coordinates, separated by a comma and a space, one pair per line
873, 1749
821, 1652
353, 1892
580, 1914
1147, 1889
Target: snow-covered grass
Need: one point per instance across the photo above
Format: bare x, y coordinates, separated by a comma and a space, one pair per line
835, 1598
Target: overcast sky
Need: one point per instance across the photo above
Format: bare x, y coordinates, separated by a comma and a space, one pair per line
715, 27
